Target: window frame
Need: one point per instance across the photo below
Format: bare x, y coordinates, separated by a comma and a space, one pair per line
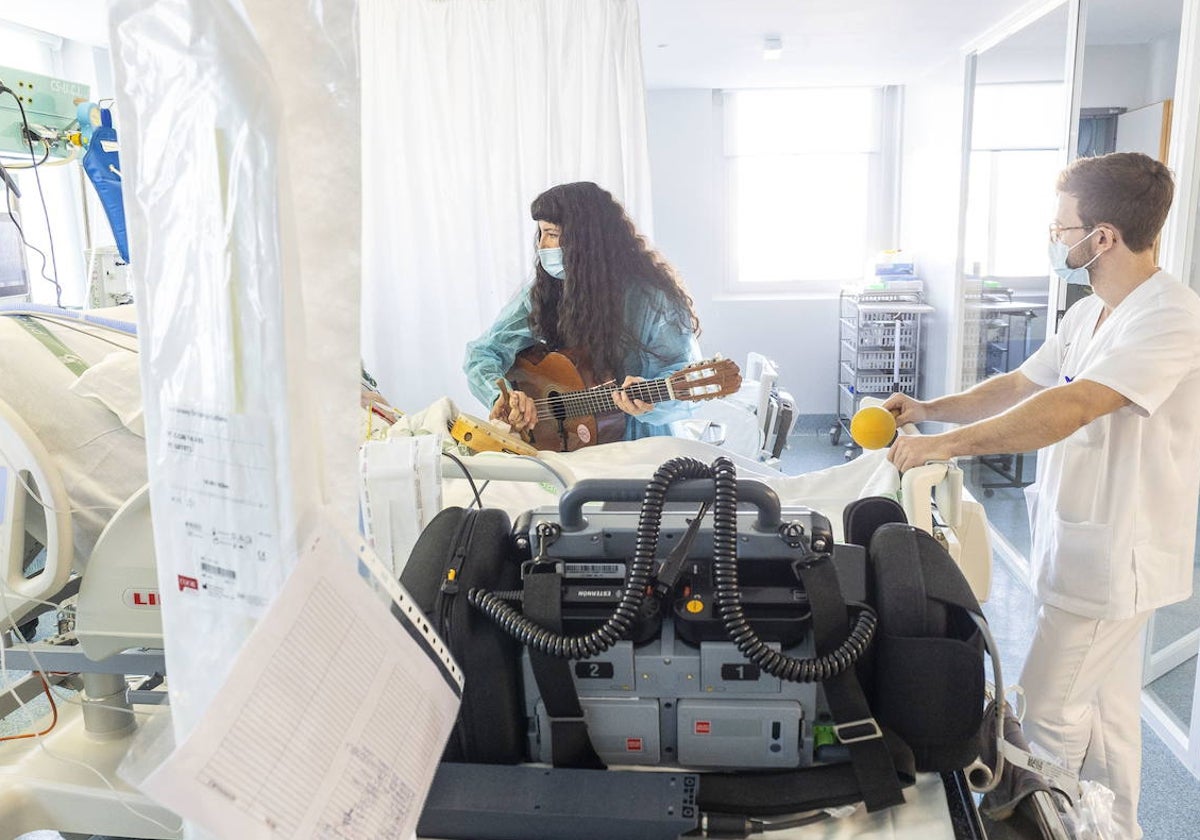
996, 153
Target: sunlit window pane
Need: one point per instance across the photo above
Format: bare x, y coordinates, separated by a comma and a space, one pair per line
800, 217
802, 169
1010, 203
1019, 116
801, 121
1024, 202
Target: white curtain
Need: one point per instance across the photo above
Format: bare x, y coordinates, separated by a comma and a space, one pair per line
470, 109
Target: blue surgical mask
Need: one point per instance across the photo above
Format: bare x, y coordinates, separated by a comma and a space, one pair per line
1058, 261
552, 260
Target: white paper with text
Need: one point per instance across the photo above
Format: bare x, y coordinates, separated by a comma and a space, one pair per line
332, 720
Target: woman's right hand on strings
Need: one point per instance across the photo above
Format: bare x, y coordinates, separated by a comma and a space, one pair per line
518, 411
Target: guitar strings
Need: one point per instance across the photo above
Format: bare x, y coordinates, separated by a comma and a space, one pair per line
598, 400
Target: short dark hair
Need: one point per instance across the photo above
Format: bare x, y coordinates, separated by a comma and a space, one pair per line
1128, 190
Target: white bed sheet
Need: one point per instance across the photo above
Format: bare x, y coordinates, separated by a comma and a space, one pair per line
102, 460
826, 491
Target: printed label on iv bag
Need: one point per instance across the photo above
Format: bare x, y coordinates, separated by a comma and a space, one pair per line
223, 522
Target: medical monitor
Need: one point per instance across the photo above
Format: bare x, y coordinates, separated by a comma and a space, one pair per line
14, 272
51, 109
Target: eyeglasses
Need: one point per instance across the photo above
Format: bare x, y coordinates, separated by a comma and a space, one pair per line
1057, 230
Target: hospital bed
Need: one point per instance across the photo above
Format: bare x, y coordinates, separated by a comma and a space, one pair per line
104, 560
75, 487
933, 496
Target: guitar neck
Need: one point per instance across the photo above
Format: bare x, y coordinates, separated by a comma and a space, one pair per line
599, 400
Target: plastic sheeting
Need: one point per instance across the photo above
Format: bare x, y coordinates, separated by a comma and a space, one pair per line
239, 130
471, 108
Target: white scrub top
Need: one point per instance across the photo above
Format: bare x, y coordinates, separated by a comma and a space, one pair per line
1113, 510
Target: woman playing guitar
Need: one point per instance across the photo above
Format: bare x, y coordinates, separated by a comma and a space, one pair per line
604, 299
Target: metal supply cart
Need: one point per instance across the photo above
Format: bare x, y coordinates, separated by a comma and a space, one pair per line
879, 347
1002, 350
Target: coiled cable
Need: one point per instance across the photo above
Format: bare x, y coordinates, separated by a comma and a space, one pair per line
540, 640
728, 594
728, 599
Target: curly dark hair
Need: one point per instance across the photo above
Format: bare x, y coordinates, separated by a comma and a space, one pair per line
604, 257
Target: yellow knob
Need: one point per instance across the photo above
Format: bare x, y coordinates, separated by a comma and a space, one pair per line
695, 605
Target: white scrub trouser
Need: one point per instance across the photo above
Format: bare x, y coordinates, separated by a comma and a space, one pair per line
1083, 686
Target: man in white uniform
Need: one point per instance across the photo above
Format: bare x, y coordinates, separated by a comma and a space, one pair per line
1113, 402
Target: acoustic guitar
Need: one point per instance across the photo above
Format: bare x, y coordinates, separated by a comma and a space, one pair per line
571, 415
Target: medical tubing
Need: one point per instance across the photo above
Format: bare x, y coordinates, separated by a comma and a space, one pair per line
728, 599
540, 640
21, 308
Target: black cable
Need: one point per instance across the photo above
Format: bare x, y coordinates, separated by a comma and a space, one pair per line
24, 241
41, 194
728, 596
45, 157
739, 826
467, 473
729, 599
637, 578
793, 822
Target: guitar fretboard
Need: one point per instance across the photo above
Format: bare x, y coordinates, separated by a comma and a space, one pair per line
599, 400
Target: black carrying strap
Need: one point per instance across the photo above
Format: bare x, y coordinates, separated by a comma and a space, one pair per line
856, 727
901, 593
795, 791
881, 764
569, 742
863, 517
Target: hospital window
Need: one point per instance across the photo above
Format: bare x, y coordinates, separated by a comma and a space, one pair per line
809, 187
1016, 154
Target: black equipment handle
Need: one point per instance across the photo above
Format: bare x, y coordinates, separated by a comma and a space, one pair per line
570, 505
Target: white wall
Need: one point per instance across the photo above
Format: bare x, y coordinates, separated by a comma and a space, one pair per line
929, 210
1129, 75
1020, 64
800, 335
1164, 64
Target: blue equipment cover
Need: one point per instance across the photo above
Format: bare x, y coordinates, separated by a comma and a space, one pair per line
103, 165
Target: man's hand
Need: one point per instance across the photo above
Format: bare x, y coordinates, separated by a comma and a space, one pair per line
916, 450
627, 403
518, 411
906, 409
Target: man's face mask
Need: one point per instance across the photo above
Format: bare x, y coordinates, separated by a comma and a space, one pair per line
552, 260
1058, 261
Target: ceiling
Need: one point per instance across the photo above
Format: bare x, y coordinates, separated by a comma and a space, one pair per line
719, 43
78, 20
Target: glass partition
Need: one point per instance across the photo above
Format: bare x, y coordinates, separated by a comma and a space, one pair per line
1126, 103
1018, 132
